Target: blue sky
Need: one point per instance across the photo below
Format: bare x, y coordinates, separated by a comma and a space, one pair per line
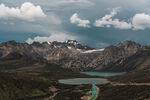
97, 23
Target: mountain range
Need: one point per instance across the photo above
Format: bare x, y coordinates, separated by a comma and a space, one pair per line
126, 56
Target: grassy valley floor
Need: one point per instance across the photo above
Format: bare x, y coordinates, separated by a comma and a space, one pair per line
26, 80
130, 86
124, 92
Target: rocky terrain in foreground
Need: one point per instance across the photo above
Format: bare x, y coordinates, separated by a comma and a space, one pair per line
74, 56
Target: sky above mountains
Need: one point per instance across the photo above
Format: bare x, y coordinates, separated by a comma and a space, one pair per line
97, 23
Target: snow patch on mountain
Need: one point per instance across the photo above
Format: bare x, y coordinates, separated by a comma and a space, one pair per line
91, 51
69, 47
49, 42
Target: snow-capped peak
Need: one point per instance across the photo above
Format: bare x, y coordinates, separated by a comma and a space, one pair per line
72, 42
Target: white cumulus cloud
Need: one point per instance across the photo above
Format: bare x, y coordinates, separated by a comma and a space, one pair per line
27, 11
81, 23
141, 21
108, 21
60, 37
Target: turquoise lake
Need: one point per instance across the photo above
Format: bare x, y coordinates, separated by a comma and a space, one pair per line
82, 81
102, 73
89, 80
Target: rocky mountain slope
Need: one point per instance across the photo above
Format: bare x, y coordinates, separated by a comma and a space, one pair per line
113, 54
138, 61
72, 55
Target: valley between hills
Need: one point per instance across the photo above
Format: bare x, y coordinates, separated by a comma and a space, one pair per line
32, 71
